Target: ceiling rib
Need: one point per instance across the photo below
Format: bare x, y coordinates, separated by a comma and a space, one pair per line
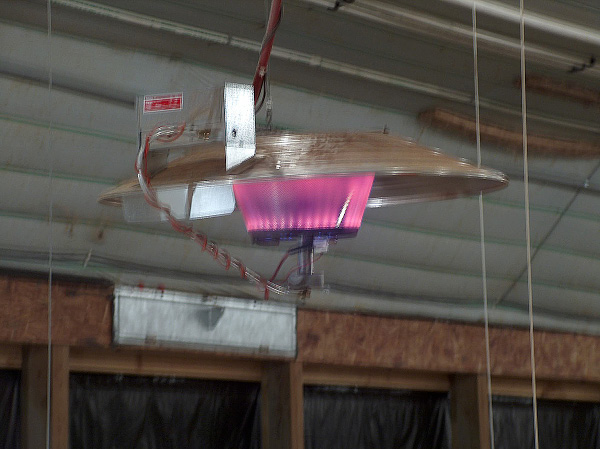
542, 179
14, 170
544, 239
86, 261
75, 224
578, 186
68, 128
41, 79
314, 60
539, 144
437, 28
239, 246
533, 20
356, 298
452, 236
459, 303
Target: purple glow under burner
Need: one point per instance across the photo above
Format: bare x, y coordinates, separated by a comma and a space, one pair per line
284, 208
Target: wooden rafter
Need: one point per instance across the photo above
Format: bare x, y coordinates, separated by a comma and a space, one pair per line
540, 145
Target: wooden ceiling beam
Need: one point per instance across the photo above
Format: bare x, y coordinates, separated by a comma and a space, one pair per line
539, 145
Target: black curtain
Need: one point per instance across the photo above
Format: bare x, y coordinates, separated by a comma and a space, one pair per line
350, 418
562, 424
10, 410
114, 412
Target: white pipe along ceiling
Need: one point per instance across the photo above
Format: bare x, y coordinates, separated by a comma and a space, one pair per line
365, 66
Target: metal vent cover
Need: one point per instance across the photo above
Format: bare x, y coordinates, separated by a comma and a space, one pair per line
148, 317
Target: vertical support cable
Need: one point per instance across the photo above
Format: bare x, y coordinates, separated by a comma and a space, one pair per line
267, 82
50, 225
488, 364
267, 45
527, 225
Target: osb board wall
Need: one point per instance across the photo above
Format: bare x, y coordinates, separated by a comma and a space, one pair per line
81, 312
360, 340
82, 317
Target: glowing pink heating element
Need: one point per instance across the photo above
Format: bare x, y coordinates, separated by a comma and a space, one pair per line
332, 205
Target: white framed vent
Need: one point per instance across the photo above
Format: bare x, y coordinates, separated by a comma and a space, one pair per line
150, 317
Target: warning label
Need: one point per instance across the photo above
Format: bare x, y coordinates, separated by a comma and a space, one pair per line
162, 103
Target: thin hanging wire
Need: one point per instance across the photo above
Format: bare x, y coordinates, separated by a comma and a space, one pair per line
267, 82
50, 225
528, 226
488, 363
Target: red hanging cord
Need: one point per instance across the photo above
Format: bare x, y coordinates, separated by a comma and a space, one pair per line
221, 256
267, 46
141, 167
287, 276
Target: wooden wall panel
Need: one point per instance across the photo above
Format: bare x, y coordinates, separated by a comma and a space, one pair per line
410, 344
145, 362
558, 355
59, 399
82, 318
81, 312
11, 356
469, 412
360, 340
374, 378
282, 412
35, 396
547, 389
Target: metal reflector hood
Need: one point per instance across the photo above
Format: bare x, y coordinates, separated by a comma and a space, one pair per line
404, 171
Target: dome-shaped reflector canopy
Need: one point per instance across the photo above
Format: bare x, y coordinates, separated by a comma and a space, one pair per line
326, 168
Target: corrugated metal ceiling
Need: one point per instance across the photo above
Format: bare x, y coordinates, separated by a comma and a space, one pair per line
420, 259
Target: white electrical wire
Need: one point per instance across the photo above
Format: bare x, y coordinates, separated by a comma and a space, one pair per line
50, 226
488, 364
527, 225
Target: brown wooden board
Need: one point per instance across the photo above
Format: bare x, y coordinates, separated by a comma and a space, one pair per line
470, 412
153, 362
538, 145
82, 318
411, 344
81, 311
282, 406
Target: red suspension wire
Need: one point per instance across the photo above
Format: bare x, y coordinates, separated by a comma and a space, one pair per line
221, 256
267, 46
141, 167
298, 267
